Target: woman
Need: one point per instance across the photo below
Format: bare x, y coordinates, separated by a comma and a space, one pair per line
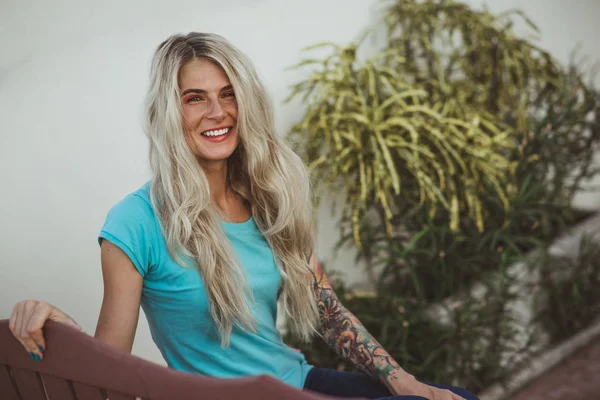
220, 233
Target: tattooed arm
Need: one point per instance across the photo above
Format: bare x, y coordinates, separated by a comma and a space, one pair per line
344, 333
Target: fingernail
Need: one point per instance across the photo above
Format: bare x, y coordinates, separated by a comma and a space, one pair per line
37, 357
41, 348
32, 354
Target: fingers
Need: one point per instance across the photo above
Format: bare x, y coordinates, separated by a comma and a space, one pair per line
36, 323
456, 397
444, 394
12, 321
16, 325
25, 309
31, 334
26, 323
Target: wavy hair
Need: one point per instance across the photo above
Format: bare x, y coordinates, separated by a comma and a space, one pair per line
263, 170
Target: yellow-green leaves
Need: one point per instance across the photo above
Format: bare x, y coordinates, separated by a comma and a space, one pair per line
369, 132
432, 120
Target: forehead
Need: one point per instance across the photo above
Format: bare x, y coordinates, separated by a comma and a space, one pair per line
202, 74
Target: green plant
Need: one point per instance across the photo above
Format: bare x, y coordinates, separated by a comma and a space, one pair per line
369, 132
461, 347
456, 151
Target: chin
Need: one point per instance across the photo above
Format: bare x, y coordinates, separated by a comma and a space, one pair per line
214, 156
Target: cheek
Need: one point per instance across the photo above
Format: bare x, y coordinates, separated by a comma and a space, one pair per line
191, 117
232, 109
190, 121
191, 143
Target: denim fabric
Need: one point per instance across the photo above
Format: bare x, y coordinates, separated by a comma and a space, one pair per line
356, 384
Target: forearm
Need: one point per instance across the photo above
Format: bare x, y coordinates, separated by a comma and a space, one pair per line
346, 335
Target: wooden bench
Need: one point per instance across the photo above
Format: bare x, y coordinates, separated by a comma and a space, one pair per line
77, 366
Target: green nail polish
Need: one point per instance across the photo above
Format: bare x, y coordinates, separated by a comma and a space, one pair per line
32, 355
37, 357
41, 348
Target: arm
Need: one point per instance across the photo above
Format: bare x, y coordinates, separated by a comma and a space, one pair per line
118, 317
345, 335
120, 310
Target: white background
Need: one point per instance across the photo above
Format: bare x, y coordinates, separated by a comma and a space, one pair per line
72, 78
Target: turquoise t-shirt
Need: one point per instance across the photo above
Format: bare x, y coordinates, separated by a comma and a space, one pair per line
176, 305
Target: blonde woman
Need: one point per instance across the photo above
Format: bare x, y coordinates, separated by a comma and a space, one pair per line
220, 233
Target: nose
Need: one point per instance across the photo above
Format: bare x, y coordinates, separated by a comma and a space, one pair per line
215, 110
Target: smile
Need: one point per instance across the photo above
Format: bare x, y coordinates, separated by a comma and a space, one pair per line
216, 132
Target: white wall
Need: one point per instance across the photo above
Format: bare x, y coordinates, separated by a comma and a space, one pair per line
72, 78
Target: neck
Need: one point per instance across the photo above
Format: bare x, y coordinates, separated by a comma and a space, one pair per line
217, 181
231, 206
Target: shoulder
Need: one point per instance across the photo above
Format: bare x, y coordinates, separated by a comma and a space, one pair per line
134, 206
132, 225
133, 215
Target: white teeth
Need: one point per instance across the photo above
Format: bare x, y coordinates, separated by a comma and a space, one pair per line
218, 132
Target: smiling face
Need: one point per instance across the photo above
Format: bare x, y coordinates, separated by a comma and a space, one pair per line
209, 112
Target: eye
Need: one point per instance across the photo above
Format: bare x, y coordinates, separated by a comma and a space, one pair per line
193, 99
228, 95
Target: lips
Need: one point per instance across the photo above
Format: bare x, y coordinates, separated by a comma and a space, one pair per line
216, 132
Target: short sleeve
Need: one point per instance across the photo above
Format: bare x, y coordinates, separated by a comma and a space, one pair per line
131, 225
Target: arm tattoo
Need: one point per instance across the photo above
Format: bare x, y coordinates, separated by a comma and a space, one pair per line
344, 333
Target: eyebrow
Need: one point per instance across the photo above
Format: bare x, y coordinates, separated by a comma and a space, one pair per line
201, 91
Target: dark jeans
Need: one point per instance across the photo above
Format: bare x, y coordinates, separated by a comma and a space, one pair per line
356, 384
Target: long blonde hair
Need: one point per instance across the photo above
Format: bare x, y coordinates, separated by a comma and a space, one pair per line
263, 170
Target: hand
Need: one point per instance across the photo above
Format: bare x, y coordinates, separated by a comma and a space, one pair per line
28, 319
411, 386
